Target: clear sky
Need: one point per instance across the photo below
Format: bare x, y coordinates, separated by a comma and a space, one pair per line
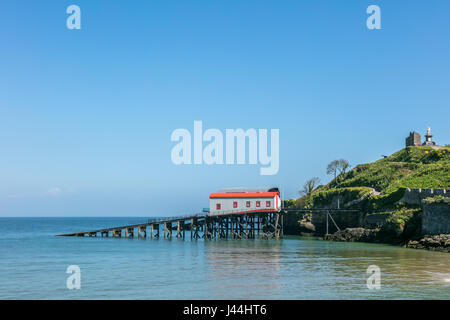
86, 115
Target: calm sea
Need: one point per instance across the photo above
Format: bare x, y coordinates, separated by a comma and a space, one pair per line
33, 264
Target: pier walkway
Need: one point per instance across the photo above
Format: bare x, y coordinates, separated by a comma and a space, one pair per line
264, 225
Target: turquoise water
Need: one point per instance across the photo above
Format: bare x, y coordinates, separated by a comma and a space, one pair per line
33, 265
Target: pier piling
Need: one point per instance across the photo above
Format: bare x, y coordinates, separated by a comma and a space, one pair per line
265, 225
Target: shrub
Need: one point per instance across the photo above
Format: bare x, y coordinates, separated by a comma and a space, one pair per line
325, 197
402, 224
386, 201
436, 199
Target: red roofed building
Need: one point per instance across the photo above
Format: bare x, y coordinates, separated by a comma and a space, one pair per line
244, 200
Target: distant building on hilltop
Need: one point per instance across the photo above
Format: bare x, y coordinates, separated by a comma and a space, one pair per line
414, 140
429, 139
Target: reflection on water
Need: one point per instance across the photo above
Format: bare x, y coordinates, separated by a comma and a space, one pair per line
230, 264
33, 265
297, 268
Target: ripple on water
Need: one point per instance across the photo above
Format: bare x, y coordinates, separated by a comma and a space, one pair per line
33, 266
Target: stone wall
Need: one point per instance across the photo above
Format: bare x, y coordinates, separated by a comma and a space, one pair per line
344, 220
435, 218
350, 219
375, 220
415, 196
413, 139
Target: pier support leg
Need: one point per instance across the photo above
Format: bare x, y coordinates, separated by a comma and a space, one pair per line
179, 229
142, 232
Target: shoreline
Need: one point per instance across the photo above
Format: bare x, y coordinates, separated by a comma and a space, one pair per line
439, 243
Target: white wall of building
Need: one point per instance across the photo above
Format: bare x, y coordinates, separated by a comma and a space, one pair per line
227, 207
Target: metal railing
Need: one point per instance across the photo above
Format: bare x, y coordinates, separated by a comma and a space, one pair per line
224, 212
173, 218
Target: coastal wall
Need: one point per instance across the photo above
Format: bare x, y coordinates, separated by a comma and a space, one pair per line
346, 220
435, 218
374, 220
416, 195
342, 219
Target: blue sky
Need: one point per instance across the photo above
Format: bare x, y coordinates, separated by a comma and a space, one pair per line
86, 115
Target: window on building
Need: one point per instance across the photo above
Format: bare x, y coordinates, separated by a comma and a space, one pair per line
218, 206
247, 204
267, 204
258, 204
235, 204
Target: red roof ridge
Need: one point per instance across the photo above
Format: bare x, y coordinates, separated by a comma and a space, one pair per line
243, 194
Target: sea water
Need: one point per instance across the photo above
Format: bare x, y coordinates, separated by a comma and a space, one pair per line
33, 265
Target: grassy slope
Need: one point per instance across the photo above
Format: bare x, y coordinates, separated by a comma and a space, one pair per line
412, 167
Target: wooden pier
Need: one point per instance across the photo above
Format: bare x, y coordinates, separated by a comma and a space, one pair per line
263, 225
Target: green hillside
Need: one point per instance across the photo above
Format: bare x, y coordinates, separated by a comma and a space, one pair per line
382, 182
412, 167
376, 188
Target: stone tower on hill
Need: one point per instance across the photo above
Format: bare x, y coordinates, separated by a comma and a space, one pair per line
414, 139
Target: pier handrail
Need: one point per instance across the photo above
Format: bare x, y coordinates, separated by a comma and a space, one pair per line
167, 219
226, 212
149, 221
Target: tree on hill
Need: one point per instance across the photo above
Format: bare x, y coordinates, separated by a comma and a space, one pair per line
338, 167
332, 168
309, 186
343, 166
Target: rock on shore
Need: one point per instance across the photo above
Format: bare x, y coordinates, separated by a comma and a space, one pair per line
353, 234
439, 242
